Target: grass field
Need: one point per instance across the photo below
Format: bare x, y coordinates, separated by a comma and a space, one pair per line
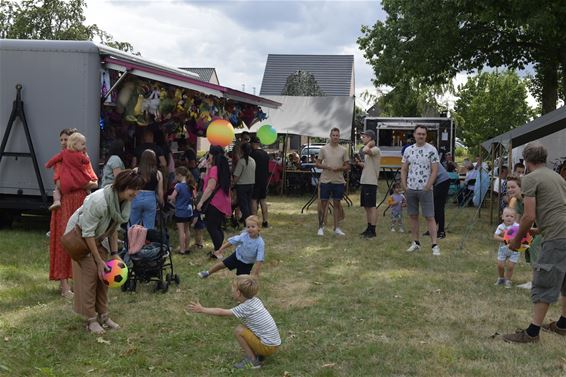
344, 307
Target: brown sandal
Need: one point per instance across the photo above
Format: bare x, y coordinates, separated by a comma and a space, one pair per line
94, 327
106, 322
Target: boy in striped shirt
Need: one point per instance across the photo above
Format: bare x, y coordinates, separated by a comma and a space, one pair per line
258, 336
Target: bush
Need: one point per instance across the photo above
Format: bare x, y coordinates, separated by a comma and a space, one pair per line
461, 152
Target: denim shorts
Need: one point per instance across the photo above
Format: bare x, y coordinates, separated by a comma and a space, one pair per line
505, 253
333, 191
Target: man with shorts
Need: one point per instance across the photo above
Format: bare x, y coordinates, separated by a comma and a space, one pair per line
418, 173
333, 160
544, 200
259, 194
368, 181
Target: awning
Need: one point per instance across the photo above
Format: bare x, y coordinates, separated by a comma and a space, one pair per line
545, 125
310, 116
121, 61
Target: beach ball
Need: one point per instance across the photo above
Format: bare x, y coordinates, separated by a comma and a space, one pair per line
117, 275
510, 234
266, 134
220, 132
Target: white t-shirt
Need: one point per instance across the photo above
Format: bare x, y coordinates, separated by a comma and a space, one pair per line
420, 160
255, 316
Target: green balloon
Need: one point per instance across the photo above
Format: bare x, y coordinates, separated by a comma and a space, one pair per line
266, 134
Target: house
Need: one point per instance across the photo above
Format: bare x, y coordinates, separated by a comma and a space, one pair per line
205, 74
334, 76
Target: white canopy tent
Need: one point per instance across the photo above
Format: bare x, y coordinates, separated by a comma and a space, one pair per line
309, 116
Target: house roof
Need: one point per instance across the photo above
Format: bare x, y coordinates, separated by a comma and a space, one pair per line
334, 73
205, 74
545, 125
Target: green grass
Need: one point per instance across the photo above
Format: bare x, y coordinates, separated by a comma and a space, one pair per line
344, 307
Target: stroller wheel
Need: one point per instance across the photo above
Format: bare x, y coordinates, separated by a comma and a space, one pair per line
165, 287
158, 286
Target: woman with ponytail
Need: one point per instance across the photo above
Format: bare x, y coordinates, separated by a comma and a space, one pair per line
217, 187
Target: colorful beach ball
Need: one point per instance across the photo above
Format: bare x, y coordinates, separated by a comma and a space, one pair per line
266, 134
220, 132
510, 234
117, 275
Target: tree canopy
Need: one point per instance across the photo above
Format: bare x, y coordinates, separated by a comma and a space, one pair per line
302, 83
53, 20
431, 40
490, 104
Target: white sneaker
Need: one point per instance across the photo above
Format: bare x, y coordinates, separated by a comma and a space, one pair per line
320, 231
436, 250
414, 247
401, 230
393, 229
339, 232
527, 285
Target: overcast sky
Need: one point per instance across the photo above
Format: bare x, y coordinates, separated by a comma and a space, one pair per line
235, 37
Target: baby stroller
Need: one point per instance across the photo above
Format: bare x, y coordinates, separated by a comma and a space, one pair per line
153, 262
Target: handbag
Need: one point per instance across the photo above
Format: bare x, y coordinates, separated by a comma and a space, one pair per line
206, 203
75, 245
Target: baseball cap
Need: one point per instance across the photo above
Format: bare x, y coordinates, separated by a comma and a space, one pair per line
369, 133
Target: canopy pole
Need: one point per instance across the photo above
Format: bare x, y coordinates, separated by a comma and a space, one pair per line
491, 193
284, 165
510, 152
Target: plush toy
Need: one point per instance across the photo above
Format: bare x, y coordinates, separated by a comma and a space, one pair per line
153, 101
138, 109
124, 96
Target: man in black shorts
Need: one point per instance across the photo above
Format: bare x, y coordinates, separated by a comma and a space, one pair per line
261, 179
544, 201
368, 180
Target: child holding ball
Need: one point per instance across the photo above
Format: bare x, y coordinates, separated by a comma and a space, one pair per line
505, 254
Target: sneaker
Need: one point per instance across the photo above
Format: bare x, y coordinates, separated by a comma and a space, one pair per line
414, 247
248, 364
401, 230
393, 229
339, 232
551, 327
436, 250
500, 281
364, 232
48, 234
203, 274
520, 337
265, 224
527, 285
320, 232
508, 284
441, 235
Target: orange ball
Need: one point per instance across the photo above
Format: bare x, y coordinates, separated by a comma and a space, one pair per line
220, 132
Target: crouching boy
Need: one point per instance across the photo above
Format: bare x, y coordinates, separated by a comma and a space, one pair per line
258, 336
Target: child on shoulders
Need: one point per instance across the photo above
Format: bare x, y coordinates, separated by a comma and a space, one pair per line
249, 254
258, 336
504, 253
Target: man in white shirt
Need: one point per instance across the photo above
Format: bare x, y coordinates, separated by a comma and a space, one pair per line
418, 173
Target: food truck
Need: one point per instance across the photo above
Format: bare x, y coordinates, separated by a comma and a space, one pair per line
393, 133
105, 93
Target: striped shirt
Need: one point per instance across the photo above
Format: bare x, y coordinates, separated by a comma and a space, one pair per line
255, 316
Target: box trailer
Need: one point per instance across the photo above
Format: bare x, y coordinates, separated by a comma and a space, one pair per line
393, 133
57, 84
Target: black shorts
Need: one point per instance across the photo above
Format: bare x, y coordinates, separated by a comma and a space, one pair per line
242, 268
260, 191
178, 219
368, 196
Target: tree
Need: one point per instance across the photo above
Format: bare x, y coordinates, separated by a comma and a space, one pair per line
53, 20
302, 83
431, 40
490, 104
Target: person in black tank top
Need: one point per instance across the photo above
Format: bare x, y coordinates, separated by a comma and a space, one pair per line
144, 205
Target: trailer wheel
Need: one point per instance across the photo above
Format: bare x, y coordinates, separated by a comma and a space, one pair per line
7, 218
